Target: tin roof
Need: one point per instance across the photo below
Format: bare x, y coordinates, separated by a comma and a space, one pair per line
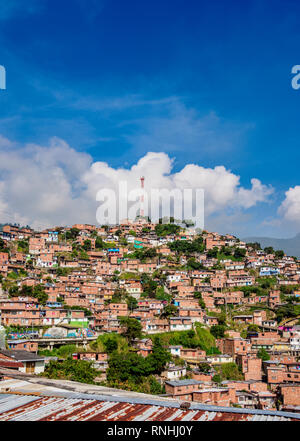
62, 405
15, 341
183, 382
20, 355
11, 364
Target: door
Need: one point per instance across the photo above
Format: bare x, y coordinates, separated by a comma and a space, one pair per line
30, 367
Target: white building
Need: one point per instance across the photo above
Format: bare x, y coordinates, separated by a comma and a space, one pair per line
25, 361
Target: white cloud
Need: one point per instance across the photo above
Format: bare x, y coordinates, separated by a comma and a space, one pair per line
115, 104
257, 193
57, 185
290, 207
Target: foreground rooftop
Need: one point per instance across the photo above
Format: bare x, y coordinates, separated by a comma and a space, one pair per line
48, 400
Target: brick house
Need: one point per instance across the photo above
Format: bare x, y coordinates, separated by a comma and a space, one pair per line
25, 345
290, 394
210, 321
192, 355
215, 396
180, 324
251, 366
234, 346
182, 389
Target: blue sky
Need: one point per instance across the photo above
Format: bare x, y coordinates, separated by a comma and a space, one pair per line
208, 83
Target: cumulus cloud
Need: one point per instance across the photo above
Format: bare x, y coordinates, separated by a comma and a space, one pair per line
57, 185
290, 207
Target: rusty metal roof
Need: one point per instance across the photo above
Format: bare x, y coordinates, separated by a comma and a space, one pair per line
39, 399
69, 406
11, 364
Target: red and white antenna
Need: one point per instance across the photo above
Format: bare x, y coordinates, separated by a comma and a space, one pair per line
142, 208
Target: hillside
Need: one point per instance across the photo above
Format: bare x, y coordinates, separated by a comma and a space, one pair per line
290, 246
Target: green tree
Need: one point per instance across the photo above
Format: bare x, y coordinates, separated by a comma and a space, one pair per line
40, 294
66, 351
194, 265
262, 353
143, 255
150, 288
75, 370
169, 311
217, 378
111, 345
87, 245
269, 250
132, 303
159, 357
198, 295
26, 291
3, 248
83, 255
23, 246
222, 318
62, 271
155, 386
227, 251
187, 247
99, 244
13, 291
279, 254
131, 328
287, 311
166, 229
218, 331
126, 366
239, 253
72, 234
162, 295
254, 245
213, 253
253, 328
204, 367
229, 371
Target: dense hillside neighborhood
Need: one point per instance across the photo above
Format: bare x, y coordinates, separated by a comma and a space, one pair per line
159, 309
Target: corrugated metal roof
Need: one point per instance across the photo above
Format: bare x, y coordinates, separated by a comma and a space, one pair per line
84, 407
11, 364
20, 355
183, 382
10, 402
38, 399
